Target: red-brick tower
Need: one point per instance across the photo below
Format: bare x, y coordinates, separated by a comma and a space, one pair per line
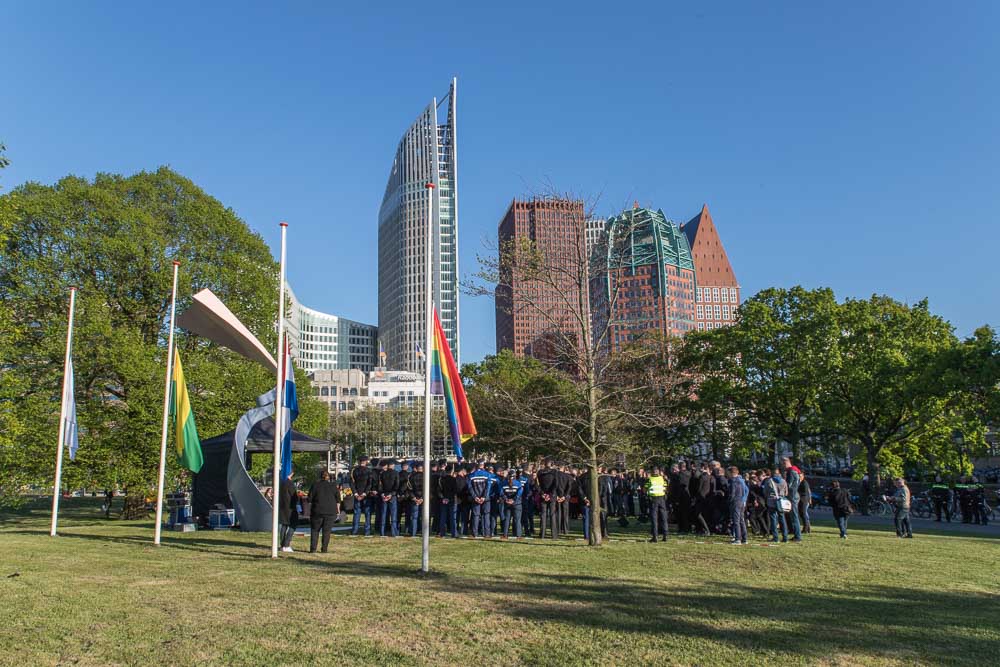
718, 295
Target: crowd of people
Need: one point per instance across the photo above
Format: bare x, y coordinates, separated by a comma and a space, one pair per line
524, 501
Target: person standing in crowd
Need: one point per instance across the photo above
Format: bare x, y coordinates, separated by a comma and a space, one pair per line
776, 490
978, 502
288, 512
547, 488
793, 478
498, 474
757, 504
963, 491
448, 501
942, 496
361, 485
805, 502
388, 488
324, 506
704, 491
737, 502
605, 490
656, 490
681, 487
511, 498
719, 512
866, 493
840, 501
464, 499
563, 483
403, 498
480, 490
583, 499
901, 509
416, 483
437, 471
527, 503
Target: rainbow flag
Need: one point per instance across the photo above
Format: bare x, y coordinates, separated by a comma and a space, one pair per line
446, 382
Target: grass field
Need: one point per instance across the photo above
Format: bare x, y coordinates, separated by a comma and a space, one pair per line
101, 594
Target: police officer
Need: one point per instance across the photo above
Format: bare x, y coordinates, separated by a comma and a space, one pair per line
464, 502
656, 490
416, 483
527, 503
480, 490
403, 498
564, 483
448, 502
388, 490
361, 485
682, 493
941, 494
978, 502
605, 490
964, 491
583, 499
511, 495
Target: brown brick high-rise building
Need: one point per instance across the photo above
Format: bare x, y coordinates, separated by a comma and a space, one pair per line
718, 295
535, 318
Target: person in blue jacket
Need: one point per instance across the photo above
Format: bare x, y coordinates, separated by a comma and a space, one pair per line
480, 485
737, 496
511, 503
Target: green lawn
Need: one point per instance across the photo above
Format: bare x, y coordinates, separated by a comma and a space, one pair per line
101, 594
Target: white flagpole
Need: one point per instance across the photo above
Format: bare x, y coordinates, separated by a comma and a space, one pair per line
278, 398
157, 529
428, 350
62, 414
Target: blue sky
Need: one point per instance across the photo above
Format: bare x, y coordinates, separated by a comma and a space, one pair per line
852, 146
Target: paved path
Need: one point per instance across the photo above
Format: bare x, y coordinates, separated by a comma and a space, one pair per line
919, 525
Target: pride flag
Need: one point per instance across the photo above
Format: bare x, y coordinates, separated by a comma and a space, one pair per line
187, 442
446, 382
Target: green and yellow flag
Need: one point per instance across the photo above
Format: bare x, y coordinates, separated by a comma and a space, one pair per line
188, 444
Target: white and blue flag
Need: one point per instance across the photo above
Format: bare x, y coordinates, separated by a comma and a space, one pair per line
70, 436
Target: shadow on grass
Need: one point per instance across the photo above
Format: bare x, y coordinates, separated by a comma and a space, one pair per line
190, 544
888, 620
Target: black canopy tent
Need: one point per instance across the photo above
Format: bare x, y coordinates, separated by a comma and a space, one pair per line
210, 485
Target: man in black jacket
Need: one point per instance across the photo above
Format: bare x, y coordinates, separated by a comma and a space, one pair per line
288, 513
840, 503
704, 491
416, 498
324, 506
447, 492
564, 488
388, 488
403, 497
605, 489
361, 485
547, 487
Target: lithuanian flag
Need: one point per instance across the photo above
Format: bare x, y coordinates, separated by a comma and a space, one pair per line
187, 442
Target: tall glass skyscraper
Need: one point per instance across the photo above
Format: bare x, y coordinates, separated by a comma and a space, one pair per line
426, 154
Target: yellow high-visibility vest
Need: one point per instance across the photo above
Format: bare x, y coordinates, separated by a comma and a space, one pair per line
657, 486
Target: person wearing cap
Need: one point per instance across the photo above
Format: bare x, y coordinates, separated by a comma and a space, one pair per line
388, 490
480, 491
511, 495
435, 473
527, 502
361, 486
464, 499
447, 490
498, 476
564, 484
288, 514
583, 499
403, 497
416, 482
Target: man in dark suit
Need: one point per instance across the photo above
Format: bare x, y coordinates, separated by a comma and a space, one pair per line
324, 506
288, 513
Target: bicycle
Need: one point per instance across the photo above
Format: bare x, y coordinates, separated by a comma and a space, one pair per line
922, 506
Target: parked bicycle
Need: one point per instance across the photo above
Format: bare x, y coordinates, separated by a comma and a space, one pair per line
922, 506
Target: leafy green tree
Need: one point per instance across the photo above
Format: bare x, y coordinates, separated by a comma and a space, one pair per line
886, 390
115, 238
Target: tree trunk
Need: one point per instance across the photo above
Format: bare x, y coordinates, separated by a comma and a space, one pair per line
595, 502
134, 507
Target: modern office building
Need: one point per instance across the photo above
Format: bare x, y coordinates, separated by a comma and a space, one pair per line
343, 390
536, 318
597, 229
718, 295
320, 341
649, 281
426, 154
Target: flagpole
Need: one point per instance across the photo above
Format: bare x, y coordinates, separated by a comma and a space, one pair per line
62, 414
157, 528
428, 351
278, 397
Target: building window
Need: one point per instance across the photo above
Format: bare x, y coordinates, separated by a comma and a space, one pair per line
343, 406
725, 295
725, 312
715, 294
718, 312
732, 295
324, 391
701, 326
701, 311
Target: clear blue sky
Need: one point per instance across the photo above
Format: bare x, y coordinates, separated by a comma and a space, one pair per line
852, 146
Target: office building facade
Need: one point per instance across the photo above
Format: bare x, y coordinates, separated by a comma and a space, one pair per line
537, 318
426, 154
323, 342
648, 280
